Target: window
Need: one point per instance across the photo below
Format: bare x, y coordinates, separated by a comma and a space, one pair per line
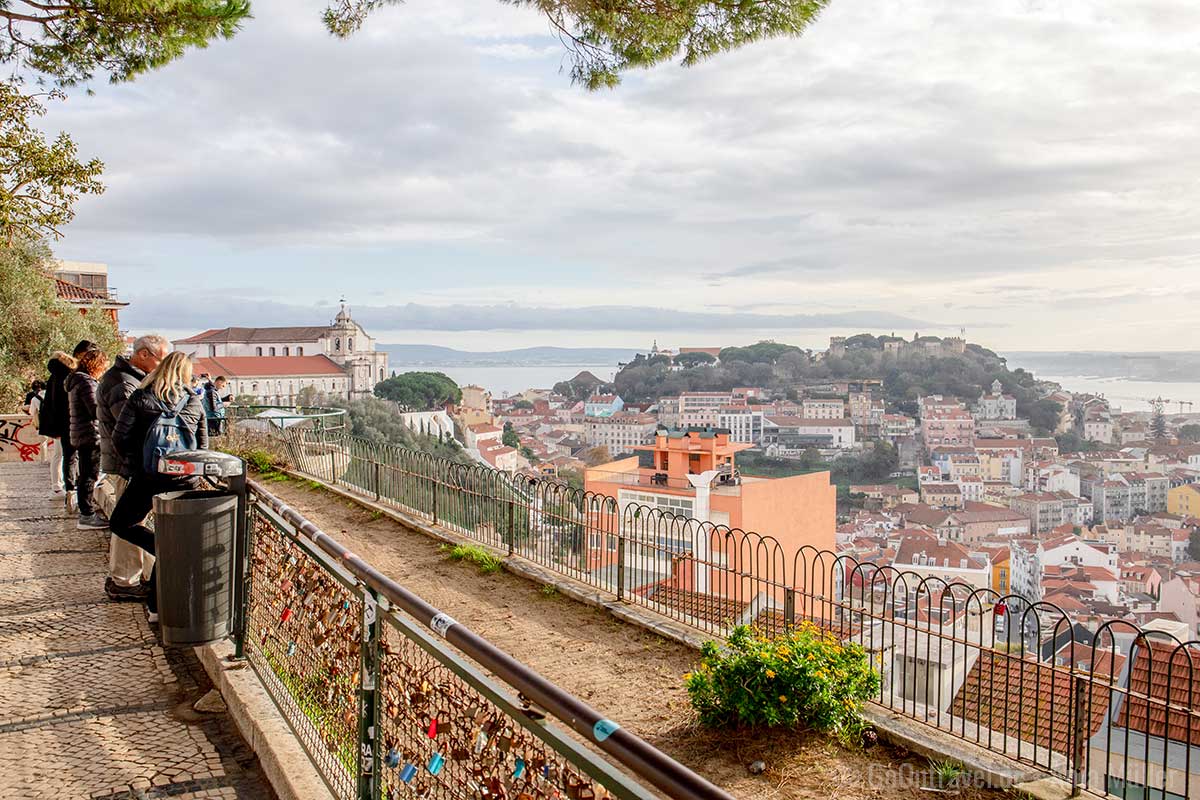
337, 345
381, 373
272, 351
258, 351
212, 350
299, 351
350, 344
287, 351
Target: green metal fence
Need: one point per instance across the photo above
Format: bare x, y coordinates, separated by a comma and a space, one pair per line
392, 698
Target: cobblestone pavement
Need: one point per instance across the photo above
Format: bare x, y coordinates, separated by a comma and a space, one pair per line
91, 704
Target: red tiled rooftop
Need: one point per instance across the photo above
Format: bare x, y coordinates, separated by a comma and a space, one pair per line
1033, 701
1163, 674
267, 366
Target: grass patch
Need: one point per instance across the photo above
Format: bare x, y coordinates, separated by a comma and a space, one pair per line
313, 485
946, 773
484, 561
548, 590
376, 515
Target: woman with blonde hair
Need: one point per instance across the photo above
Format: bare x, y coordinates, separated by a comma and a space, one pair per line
163, 414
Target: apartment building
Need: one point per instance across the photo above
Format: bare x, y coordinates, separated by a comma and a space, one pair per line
947, 426
694, 474
620, 432
790, 436
1184, 500
744, 423
822, 408
702, 409
897, 426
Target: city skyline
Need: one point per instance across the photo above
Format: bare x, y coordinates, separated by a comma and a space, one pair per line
1015, 170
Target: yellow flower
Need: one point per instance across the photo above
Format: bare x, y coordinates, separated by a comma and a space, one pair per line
783, 698
770, 673
687, 676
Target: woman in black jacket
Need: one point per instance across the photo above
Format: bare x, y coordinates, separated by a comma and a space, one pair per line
163, 390
84, 432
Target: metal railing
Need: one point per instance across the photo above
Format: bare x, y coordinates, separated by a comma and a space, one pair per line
392, 698
1110, 708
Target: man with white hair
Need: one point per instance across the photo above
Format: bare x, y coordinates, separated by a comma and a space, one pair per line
129, 565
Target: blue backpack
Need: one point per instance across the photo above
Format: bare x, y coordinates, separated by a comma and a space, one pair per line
168, 434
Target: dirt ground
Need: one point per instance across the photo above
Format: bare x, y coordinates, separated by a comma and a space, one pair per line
633, 675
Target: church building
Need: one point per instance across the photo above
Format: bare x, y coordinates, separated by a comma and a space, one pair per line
274, 364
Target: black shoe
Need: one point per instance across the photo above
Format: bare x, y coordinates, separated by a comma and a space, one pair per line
119, 593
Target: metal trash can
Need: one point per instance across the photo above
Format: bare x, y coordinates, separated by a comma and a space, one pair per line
196, 536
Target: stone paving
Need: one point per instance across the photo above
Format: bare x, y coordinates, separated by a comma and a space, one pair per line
91, 704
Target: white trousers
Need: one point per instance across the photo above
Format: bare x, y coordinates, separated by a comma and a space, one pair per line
128, 564
55, 448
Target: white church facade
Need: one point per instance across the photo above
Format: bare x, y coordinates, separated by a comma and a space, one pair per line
274, 364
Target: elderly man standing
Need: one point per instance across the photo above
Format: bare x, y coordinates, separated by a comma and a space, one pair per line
128, 564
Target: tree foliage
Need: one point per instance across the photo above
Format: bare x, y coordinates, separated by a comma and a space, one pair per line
34, 322
1044, 414
1158, 424
508, 437
72, 40
694, 359
378, 421
1189, 433
604, 38
39, 180
1193, 547
420, 391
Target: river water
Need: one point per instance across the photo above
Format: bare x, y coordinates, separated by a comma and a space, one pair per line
1130, 395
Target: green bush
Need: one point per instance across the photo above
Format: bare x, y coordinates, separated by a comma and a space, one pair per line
805, 678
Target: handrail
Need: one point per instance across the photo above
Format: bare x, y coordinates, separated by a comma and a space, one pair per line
637, 755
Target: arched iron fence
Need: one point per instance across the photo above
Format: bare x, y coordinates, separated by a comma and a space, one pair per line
1114, 710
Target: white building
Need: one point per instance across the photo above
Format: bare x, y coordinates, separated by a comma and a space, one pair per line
344, 343
621, 432
791, 436
278, 380
744, 423
996, 405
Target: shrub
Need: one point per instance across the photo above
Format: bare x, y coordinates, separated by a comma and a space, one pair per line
807, 677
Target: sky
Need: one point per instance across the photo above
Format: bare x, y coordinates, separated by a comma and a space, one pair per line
1023, 170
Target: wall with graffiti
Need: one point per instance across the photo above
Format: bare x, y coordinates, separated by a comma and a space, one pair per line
19, 441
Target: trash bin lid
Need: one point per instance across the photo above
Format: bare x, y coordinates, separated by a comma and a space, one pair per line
201, 462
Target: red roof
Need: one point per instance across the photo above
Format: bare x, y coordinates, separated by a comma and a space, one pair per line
1163, 673
243, 335
74, 293
268, 366
1033, 701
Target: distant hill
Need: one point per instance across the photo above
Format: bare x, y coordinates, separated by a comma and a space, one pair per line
435, 355
1180, 365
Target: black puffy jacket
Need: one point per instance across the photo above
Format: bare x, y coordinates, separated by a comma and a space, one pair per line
85, 428
54, 418
116, 385
139, 413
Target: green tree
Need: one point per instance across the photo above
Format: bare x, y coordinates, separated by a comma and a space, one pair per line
34, 322
420, 391
39, 180
606, 37
694, 359
1158, 424
1193, 547
1189, 433
509, 437
524, 405
379, 421
1044, 414
72, 40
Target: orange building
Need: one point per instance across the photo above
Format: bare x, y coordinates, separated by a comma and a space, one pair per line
693, 474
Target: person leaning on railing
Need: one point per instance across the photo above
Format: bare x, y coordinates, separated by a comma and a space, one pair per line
164, 390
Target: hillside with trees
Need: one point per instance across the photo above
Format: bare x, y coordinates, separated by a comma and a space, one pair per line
783, 369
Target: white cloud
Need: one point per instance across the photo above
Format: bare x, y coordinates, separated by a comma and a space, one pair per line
907, 158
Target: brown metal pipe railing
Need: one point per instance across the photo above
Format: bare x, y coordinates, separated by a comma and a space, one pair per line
641, 758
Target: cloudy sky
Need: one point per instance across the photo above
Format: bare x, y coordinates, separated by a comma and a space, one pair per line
1026, 169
